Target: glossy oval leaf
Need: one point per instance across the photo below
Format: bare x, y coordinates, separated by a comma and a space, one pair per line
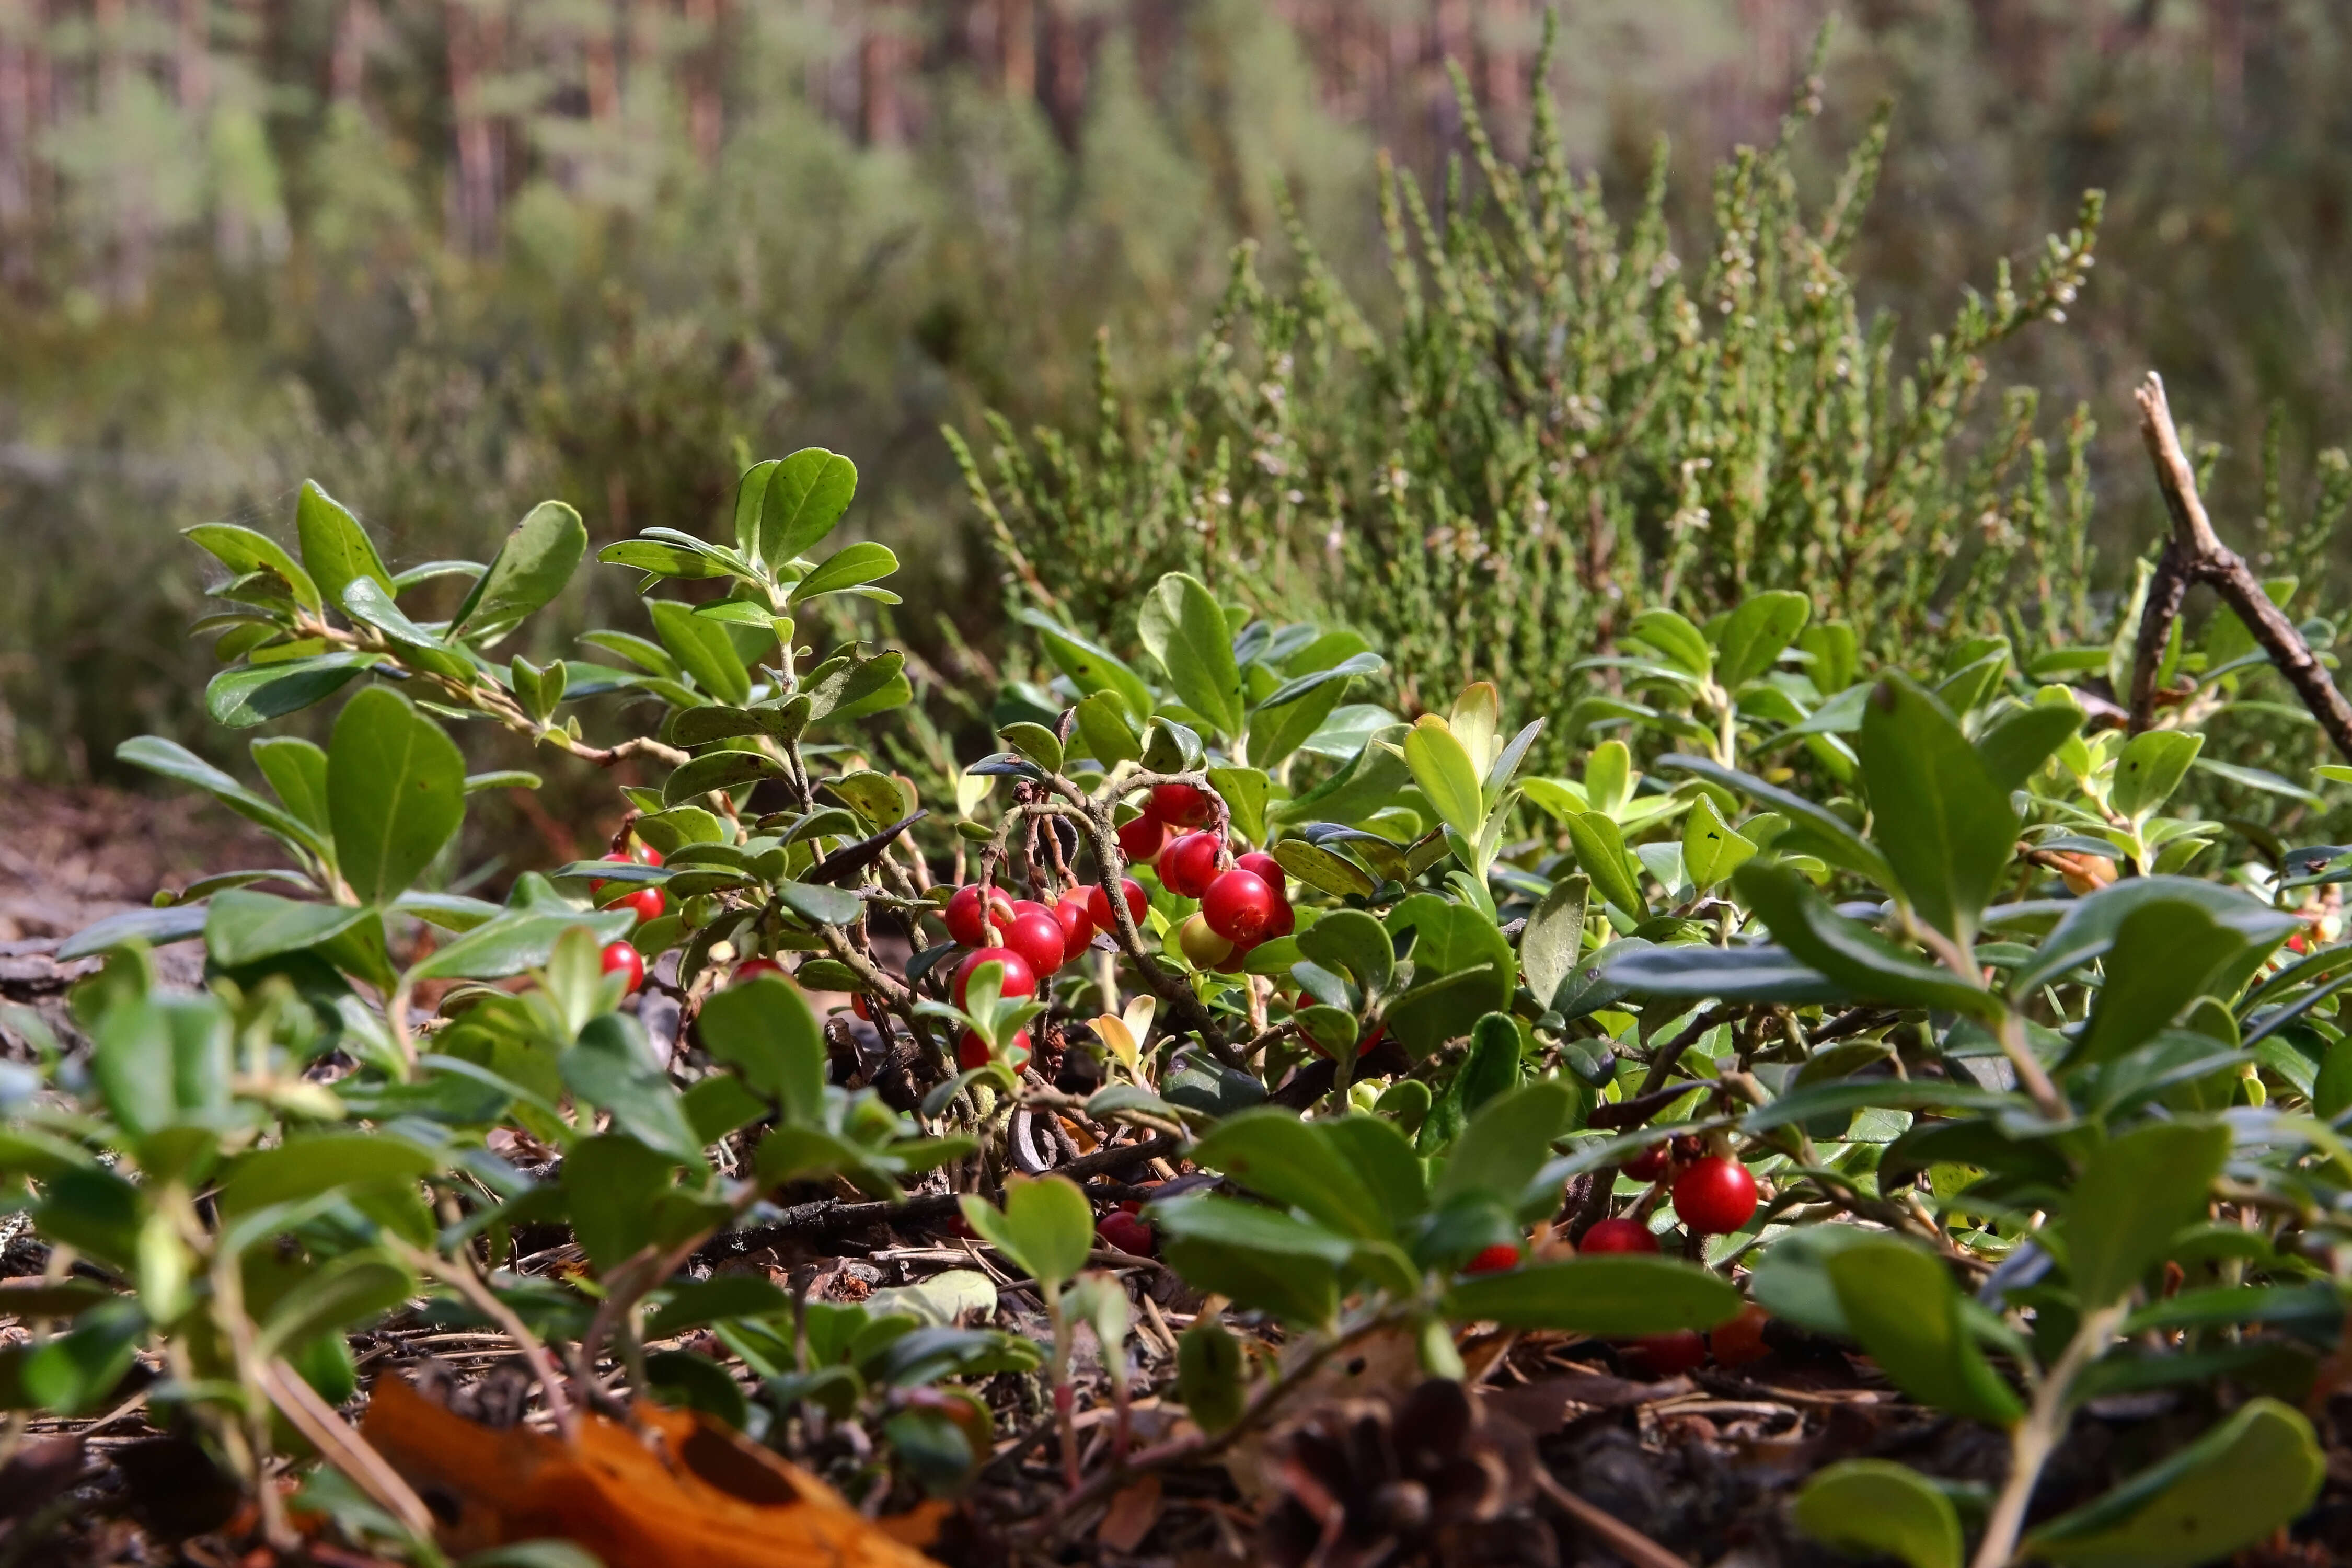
395, 793
1878, 1507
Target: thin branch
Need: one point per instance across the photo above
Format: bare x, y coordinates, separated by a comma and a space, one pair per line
2201, 557
344, 1449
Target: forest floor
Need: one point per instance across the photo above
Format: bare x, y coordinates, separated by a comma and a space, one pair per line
1565, 1453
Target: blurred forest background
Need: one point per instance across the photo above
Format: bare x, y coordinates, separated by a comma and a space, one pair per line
454, 255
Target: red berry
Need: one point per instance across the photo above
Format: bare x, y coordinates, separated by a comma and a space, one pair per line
1127, 1232
1189, 864
963, 913
1285, 920
1099, 908
753, 968
1186, 806
971, 1051
644, 855
1077, 926
1668, 1355
1618, 1235
1497, 1259
646, 901
1018, 980
1742, 1339
1036, 936
1259, 863
857, 1005
619, 958
1238, 905
1139, 839
1649, 1164
1716, 1196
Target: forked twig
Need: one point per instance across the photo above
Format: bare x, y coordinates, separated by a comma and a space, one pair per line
2193, 554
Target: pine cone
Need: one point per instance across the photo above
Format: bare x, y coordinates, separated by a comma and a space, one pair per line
1428, 1478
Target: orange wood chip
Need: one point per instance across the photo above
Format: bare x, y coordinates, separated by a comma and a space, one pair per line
690, 1494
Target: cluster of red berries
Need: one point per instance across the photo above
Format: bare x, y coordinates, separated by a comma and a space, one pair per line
1026, 939
1243, 900
623, 957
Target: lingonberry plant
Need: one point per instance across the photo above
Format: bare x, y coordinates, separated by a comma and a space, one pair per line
1885, 1007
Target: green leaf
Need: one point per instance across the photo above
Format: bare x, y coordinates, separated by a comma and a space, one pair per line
2089, 927
1185, 630
1600, 851
719, 770
395, 793
2164, 952
1243, 791
1276, 730
766, 1031
517, 940
805, 494
1901, 1304
1440, 766
173, 761
865, 561
610, 1069
1553, 942
1319, 868
1676, 638
529, 570
335, 548
1034, 741
1942, 822
371, 605
243, 551
1382, 1159
2150, 768
1092, 668
156, 928
702, 649
1878, 1507
297, 772
1753, 635
2135, 1194
1712, 848
1620, 1295
615, 1188
819, 904
2253, 1474
1827, 833
252, 694
1851, 954
306, 1167
1352, 943
1273, 1154
1106, 729
1505, 1143
340, 1294
1045, 1227
1211, 1369
1452, 943
2014, 749
243, 926
1261, 1258
1693, 971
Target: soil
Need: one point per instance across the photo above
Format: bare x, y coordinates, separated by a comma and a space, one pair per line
1566, 1453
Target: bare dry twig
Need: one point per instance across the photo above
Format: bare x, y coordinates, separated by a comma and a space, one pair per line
2194, 554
